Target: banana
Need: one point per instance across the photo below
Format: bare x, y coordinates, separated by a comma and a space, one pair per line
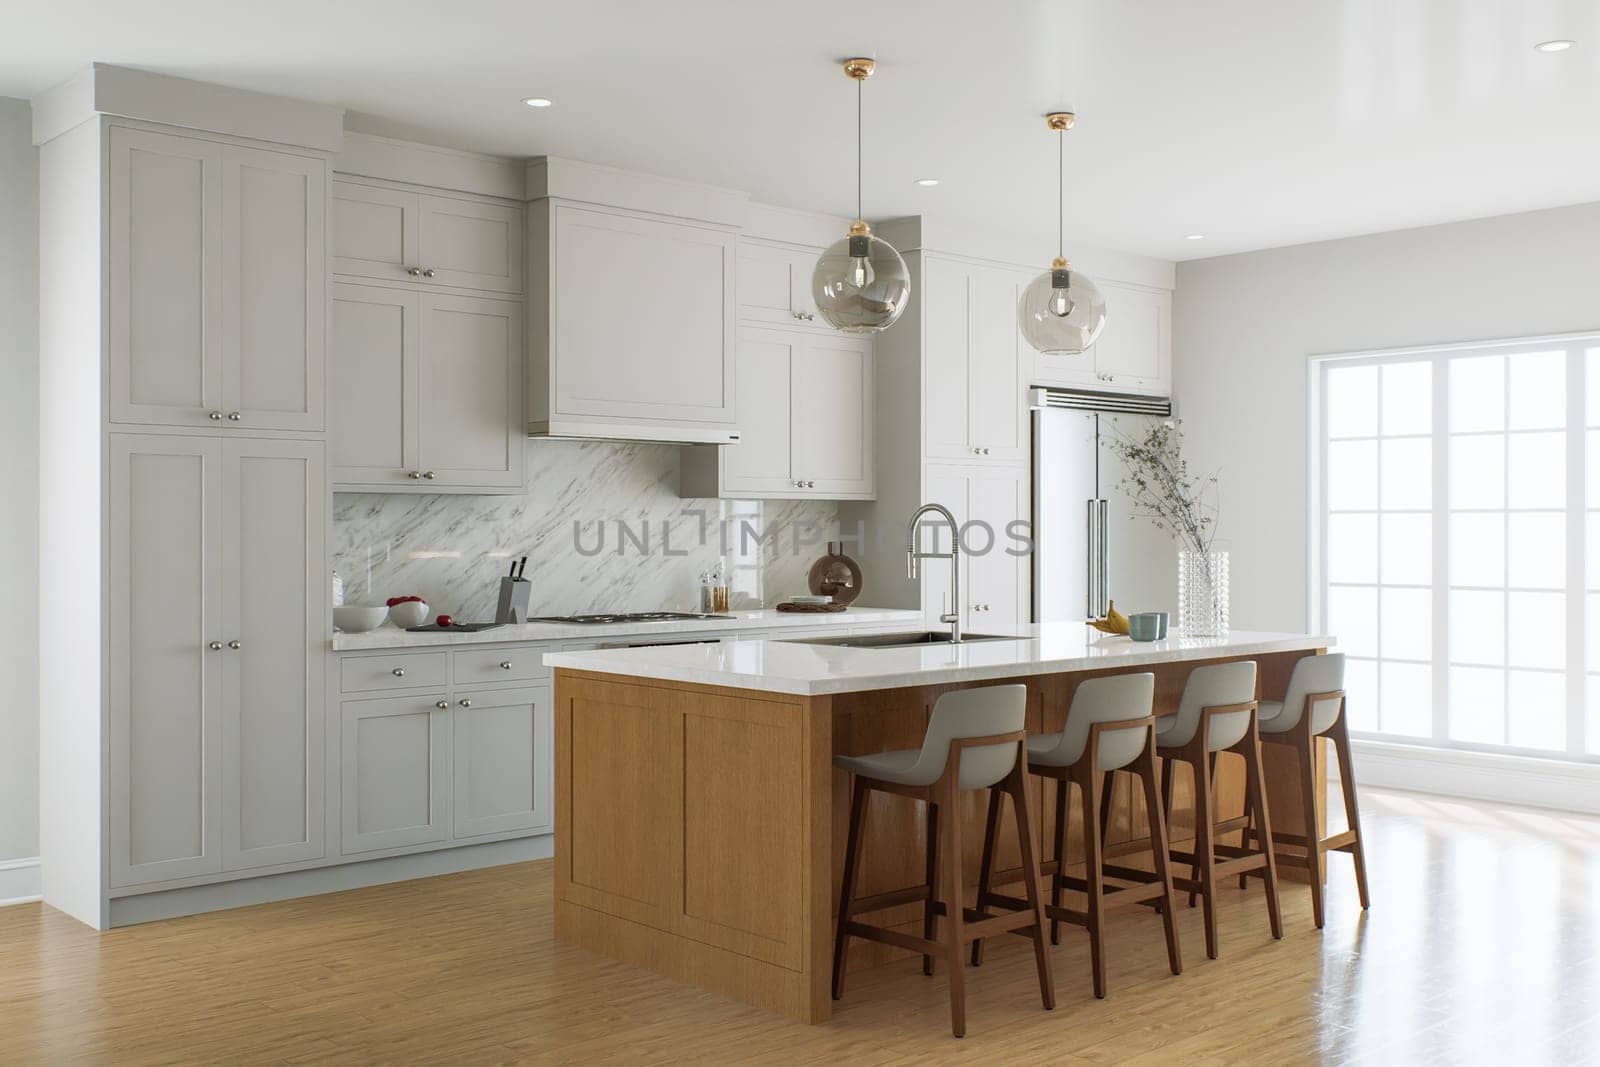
1114, 623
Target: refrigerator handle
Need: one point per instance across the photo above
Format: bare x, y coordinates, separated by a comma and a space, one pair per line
1102, 544
1092, 564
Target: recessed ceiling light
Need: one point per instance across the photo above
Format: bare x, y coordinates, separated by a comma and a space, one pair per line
1194, 237
537, 101
927, 183
1554, 46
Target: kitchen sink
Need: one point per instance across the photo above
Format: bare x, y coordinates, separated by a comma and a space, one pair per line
925, 637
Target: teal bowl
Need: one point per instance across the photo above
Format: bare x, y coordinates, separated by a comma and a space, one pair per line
1147, 626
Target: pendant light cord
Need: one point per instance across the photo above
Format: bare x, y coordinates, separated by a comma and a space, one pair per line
1061, 170
858, 147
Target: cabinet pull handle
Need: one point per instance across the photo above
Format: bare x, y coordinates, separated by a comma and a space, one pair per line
215, 416
466, 703
428, 475
215, 646
414, 475
505, 665
414, 271
427, 272
399, 672
234, 416
235, 645
443, 705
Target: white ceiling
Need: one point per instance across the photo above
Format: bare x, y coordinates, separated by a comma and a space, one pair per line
1254, 122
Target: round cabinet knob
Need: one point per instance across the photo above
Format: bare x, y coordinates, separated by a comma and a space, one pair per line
466, 703
505, 665
428, 475
811, 485
399, 672
236, 646
234, 416
427, 272
414, 475
414, 272
443, 705
215, 646
215, 416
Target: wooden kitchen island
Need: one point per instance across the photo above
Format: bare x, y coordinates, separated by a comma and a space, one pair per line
700, 823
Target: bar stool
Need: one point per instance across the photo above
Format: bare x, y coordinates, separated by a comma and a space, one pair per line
1216, 714
975, 740
1313, 707
1110, 727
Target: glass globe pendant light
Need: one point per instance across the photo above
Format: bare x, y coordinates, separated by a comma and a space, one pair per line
860, 283
1061, 312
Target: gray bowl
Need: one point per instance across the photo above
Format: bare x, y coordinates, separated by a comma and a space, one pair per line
1148, 626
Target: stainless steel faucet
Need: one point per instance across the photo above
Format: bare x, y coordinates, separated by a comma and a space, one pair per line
914, 553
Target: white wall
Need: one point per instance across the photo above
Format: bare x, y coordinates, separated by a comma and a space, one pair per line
1243, 326
19, 516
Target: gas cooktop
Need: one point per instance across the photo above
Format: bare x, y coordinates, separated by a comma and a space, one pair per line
628, 616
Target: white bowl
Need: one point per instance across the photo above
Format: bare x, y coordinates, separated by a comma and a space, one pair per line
411, 613
359, 618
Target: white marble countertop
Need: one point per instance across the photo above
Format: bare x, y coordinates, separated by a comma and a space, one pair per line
778, 666
387, 636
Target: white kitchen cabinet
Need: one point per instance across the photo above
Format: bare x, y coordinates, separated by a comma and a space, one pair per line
274, 592
426, 391
400, 235
217, 627
806, 400
167, 657
974, 369
775, 284
394, 772
1132, 353
501, 744
634, 325
216, 283
991, 505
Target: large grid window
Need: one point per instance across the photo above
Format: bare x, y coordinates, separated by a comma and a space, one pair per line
1458, 548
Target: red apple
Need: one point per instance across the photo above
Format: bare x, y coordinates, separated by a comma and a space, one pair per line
444, 620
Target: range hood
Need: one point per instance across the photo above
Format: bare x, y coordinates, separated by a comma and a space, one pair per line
567, 428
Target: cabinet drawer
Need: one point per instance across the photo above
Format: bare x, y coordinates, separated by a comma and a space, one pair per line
367, 674
482, 666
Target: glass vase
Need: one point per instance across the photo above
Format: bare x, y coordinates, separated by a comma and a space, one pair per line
1203, 593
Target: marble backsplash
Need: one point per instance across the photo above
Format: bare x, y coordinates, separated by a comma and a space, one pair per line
602, 526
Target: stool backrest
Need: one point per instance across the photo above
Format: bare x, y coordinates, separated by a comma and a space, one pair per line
1113, 699
1213, 686
1311, 675
981, 712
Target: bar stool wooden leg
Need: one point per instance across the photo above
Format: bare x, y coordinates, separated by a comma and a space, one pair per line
1158, 843
953, 905
852, 848
1094, 878
1030, 877
1058, 881
991, 830
1256, 789
1211, 772
1340, 733
1204, 854
1305, 748
931, 873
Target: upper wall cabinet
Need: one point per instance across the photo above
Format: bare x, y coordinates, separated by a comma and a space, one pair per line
217, 284
400, 235
1132, 354
775, 284
974, 369
633, 325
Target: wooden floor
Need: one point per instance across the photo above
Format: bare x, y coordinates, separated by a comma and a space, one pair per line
1483, 946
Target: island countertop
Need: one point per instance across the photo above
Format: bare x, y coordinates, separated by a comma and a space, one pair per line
803, 669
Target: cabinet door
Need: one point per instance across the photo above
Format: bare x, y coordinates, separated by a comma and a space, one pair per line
469, 399
373, 426
274, 588
165, 249
997, 591
167, 657
946, 344
1131, 350
641, 318
502, 742
375, 232
947, 486
274, 289
470, 244
394, 773
830, 387
775, 284
997, 424
759, 463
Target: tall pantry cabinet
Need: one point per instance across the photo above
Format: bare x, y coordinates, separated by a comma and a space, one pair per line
184, 490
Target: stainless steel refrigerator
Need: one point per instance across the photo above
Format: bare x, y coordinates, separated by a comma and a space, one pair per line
1089, 546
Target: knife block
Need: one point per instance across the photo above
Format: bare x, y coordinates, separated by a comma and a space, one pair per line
514, 593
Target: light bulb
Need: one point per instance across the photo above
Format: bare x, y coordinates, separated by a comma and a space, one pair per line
861, 274
1061, 304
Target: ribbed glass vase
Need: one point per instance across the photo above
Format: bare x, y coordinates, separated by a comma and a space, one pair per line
1203, 593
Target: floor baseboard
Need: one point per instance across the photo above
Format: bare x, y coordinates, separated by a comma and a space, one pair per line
1526, 781
19, 881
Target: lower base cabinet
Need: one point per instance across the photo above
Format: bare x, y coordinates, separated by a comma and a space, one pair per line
501, 743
